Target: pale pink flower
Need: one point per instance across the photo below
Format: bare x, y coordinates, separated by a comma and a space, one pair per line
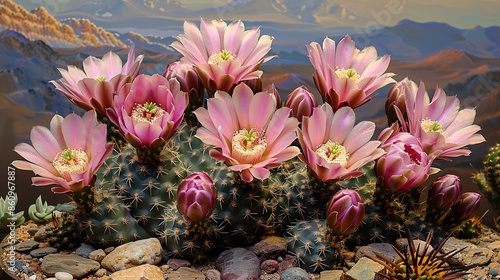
405, 166
95, 86
68, 154
345, 75
248, 133
439, 123
223, 55
149, 110
333, 147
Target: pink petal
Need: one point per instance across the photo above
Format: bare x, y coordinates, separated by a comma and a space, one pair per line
344, 54
45, 143
74, 131
341, 124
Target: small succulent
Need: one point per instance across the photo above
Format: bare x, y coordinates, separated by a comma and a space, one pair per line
40, 212
7, 215
425, 263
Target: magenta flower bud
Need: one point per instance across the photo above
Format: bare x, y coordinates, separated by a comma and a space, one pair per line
345, 212
444, 192
189, 81
396, 98
465, 208
196, 197
302, 102
405, 166
274, 92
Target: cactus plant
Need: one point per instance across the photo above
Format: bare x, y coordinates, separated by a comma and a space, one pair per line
488, 179
9, 219
40, 212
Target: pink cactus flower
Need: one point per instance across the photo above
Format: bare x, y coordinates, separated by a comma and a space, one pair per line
223, 55
248, 133
95, 86
345, 212
333, 147
68, 154
405, 166
149, 110
346, 76
302, 102
196, 197
439, 124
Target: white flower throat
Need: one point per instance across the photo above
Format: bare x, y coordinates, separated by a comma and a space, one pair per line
333, 152
248, 146
348, 74
70, 161
147, 112
218, 58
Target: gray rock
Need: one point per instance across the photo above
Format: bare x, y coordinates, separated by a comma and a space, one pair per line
238, 264
294, 273
364, 269
84, 250
18, 265
178, 263
402, 245
42, 252
41, 234
72, 264
26, 246
383, 248
212, 274
97, 255
146, 251
471, 255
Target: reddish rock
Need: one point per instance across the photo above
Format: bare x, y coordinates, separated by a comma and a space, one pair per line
269, 266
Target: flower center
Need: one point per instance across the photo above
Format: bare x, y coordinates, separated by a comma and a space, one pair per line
70, 161
415, 156
218, 58
348, 74
147, 112
333, 152
429, 125
101, 79
248, 146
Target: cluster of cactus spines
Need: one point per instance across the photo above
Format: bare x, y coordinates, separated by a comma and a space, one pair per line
488, 179
7, 215
313, 245
421, 263
40, 212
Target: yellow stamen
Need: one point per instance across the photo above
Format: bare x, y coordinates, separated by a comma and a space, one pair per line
348, 74
248, 146
101, 79
218, 58
333, 152
70, 161
147, 112
429, 125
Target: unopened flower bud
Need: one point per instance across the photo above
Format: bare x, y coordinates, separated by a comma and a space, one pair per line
465, 208
274, 92
345, 212
396, 97
302, 102
196, 197
444, 192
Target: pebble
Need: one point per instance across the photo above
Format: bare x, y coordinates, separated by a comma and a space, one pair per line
212, 274
146, 251
145, 271
383, 248
109, 250
364, 269
101, 272
42, 252
238, 264
76, 265
471, 255
41, 234
97, 255
184, 273
273, 247
294, 273
289, 261
269, 266
84, 250
26, 246
178, 263
63, 276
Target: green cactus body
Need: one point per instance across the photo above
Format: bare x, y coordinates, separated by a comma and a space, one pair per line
40, 212
489, 179
310, 243
7, 215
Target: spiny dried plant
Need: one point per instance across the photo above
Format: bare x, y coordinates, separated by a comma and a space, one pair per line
425, 263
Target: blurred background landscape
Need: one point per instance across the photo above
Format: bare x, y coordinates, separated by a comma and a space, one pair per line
451, 44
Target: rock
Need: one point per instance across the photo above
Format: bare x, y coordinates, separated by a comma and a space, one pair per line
289, 261
364, 269
41, 234
109, 250
402, 245
269, 266
238, 264
177, 263
145, 271
494, 246
84, 250
26, 246
146, 251
184, 273
63, 276
101, 272
471, 255
294, 273
273, 276
383, 248
332, 274
270, 248
42, 252
212, 274
18, 265
97, 255
73, 264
